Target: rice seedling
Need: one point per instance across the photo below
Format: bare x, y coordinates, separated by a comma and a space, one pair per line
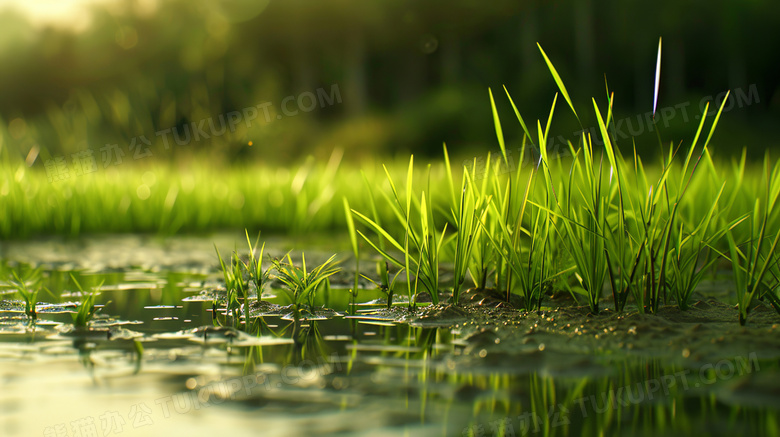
86, 309
429, 248
235, 286
355, 252
301, 282
661, 225
752, 262
383, 267
28, 287
585, 225
632, 232
422, 245
471, 210
238, 275
692, 256
524, 251
483, 256
602, 243
633, 235
257, 275
385, 284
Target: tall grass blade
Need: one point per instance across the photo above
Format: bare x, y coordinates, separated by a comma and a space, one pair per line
558, 81
657, 77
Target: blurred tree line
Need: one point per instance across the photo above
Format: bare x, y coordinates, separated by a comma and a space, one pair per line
400, 75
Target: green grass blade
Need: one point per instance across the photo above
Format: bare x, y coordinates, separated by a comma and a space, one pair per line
657, 78
497, 125
558, 81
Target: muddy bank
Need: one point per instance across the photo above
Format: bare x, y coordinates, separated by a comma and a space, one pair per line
708, 331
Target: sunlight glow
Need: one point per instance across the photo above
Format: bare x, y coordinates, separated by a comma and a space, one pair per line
70, 14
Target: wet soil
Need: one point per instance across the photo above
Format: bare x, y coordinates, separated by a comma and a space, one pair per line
708, 331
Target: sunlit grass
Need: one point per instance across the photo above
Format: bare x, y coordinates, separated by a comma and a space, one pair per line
653, 240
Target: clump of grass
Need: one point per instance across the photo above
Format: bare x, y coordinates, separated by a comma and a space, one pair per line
422, 242
28, 287
257, 275
383, 267
471, 210
235, 287
523, 237
482, 258
428, 245
86, 309
237, 274
656, 244
301, 282
759, 254
585, 226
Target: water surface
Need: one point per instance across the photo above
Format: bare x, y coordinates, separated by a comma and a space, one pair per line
341, 376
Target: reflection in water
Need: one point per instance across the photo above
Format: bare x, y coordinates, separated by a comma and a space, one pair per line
641, 397
85, 348
356, 376
308, 344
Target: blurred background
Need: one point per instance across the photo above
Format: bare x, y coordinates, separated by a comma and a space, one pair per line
277, 80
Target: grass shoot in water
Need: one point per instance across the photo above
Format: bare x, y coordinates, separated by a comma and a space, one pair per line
28, 287
302, 283
86, 309
255, 266
355, 252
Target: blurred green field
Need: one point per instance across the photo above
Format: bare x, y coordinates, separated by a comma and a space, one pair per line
194, 197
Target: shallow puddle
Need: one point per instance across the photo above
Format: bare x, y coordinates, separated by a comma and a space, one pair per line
153, 362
